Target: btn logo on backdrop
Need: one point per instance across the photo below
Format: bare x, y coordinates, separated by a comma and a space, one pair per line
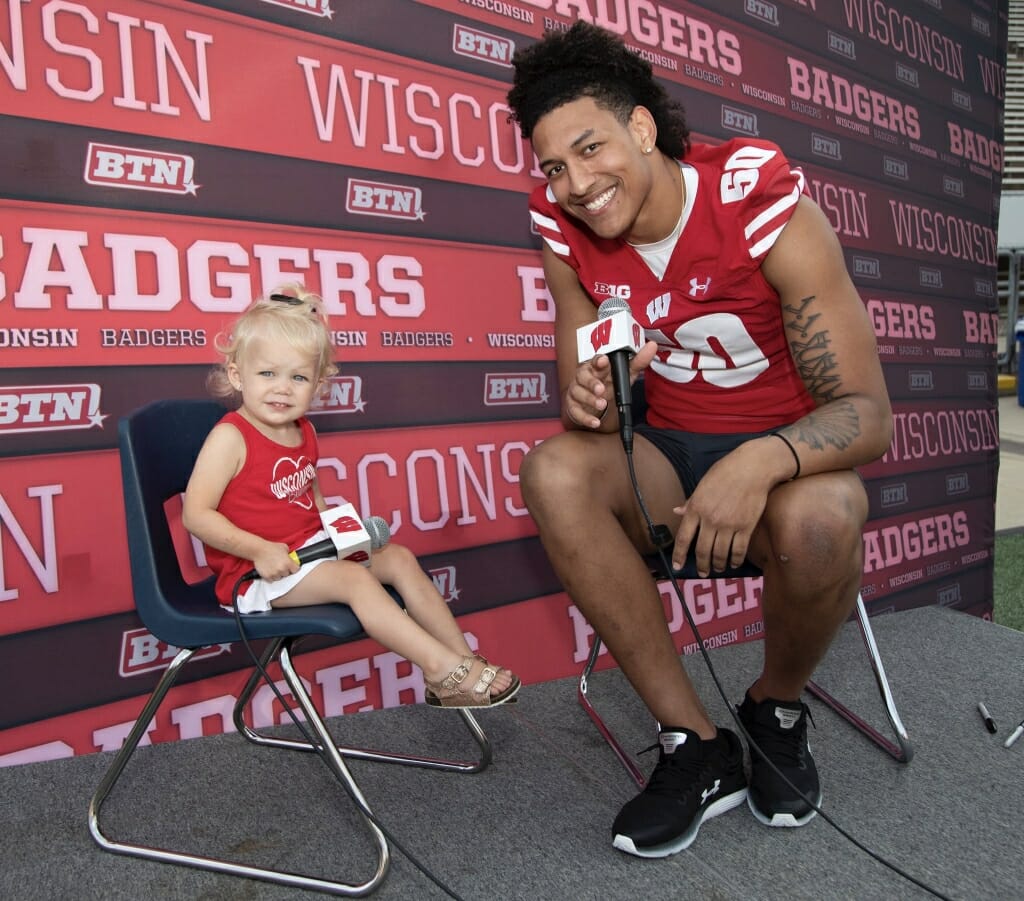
376, 198
321, 10
977, 380
49, 408
483, 46
895, 168
515, 388
953, 186
743, 121
112, 166
908, 75
957, 483
761, 9
867, 267
142, 652
826, 146
841, 45
444, 581
962, 100
344, 395
894, 495
920, 380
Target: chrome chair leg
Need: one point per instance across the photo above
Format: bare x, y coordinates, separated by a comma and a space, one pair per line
625, 759
901, 749
278, 648
217, 865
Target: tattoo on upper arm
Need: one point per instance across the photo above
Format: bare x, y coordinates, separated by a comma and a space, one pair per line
837, 427
815, 361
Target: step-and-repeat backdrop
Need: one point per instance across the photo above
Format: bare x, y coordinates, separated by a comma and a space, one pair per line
165, 161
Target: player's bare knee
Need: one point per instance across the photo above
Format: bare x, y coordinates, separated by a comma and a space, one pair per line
820, 530
548, 475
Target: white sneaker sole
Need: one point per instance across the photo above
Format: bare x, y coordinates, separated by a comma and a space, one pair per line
783, 820
722, 805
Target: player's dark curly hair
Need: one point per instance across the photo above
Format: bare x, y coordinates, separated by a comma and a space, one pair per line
588, 61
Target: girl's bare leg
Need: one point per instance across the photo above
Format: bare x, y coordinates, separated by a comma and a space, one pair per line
343, 582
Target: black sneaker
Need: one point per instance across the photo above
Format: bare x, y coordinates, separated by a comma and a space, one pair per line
694, 780
779, 728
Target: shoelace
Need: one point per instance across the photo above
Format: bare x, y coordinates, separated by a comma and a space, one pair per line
782, 745
673, 772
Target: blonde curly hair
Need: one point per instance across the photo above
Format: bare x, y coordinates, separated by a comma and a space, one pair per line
290, 314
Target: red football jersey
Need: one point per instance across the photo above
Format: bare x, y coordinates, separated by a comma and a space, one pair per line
272, 496
724, 365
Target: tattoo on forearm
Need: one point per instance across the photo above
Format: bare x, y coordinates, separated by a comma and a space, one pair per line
838, 427
815, 361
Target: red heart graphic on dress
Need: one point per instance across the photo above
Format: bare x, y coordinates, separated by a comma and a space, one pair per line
293, 481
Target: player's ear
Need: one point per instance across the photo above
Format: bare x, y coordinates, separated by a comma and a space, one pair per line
643, 128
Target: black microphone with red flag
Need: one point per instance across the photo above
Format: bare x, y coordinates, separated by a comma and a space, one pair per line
619, 336
349, 538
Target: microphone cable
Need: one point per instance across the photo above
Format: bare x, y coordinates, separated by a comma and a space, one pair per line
660, 536
320, 751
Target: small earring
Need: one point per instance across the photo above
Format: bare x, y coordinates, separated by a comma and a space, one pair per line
648, 150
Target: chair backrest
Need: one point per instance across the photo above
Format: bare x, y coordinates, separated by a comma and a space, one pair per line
158, 445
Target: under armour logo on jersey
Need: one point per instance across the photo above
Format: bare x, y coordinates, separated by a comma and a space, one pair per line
698, 287
658, 308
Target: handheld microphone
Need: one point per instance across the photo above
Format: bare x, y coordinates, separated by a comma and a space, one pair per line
376, 527
619, 336
350, 539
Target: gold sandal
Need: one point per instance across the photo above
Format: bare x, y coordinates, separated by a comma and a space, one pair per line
452, 692
515, 698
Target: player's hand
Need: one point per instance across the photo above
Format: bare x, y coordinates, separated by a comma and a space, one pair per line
591, 391
724, 511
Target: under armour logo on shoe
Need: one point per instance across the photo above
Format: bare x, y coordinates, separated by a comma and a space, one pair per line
787, 718
708, 792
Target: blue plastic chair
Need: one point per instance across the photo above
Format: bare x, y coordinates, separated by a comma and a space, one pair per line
158, 447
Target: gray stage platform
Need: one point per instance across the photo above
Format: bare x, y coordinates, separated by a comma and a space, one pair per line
536, 824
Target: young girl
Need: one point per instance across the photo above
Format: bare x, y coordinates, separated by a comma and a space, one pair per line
254, 496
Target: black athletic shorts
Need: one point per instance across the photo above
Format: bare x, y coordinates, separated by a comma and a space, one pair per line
693, 454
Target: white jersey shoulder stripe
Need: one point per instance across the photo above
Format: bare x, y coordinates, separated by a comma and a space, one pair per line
771, 213
558, 247
765, 244
542, 221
